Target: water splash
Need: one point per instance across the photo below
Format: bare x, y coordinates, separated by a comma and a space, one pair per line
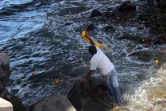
150, 95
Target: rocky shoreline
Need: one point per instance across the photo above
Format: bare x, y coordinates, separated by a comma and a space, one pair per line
150, 15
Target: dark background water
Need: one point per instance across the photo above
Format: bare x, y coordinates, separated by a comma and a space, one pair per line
44, 37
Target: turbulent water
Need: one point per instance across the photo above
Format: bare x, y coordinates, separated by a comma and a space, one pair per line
44, 37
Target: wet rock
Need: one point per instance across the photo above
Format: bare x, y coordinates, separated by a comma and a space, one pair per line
125, 35
147, 20
143, 18
116, 12
90, 27
122, 10
95, 13
4, 70
159, 40
155, 23
109, 29
127, 6
15, 101
68, 23
142, 55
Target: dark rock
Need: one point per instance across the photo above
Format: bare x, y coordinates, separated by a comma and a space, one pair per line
143, 17
159, 40
4, 70
122, 10
142, 55
68, 23
23, 85
116, 12
90, 27
127, 6
155, 23
125, 35
15, 101
95, 13
92, 90
109, 29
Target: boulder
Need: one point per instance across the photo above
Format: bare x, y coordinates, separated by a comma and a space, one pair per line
116, 12
109, 28
4, 70
90, 27
90, 96
127, 6
15, 101
142, 55
135, 38
95, 13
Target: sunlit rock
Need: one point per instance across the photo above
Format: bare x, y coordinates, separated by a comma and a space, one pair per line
54, 103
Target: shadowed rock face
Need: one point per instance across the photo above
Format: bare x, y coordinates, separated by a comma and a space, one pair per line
4, 70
